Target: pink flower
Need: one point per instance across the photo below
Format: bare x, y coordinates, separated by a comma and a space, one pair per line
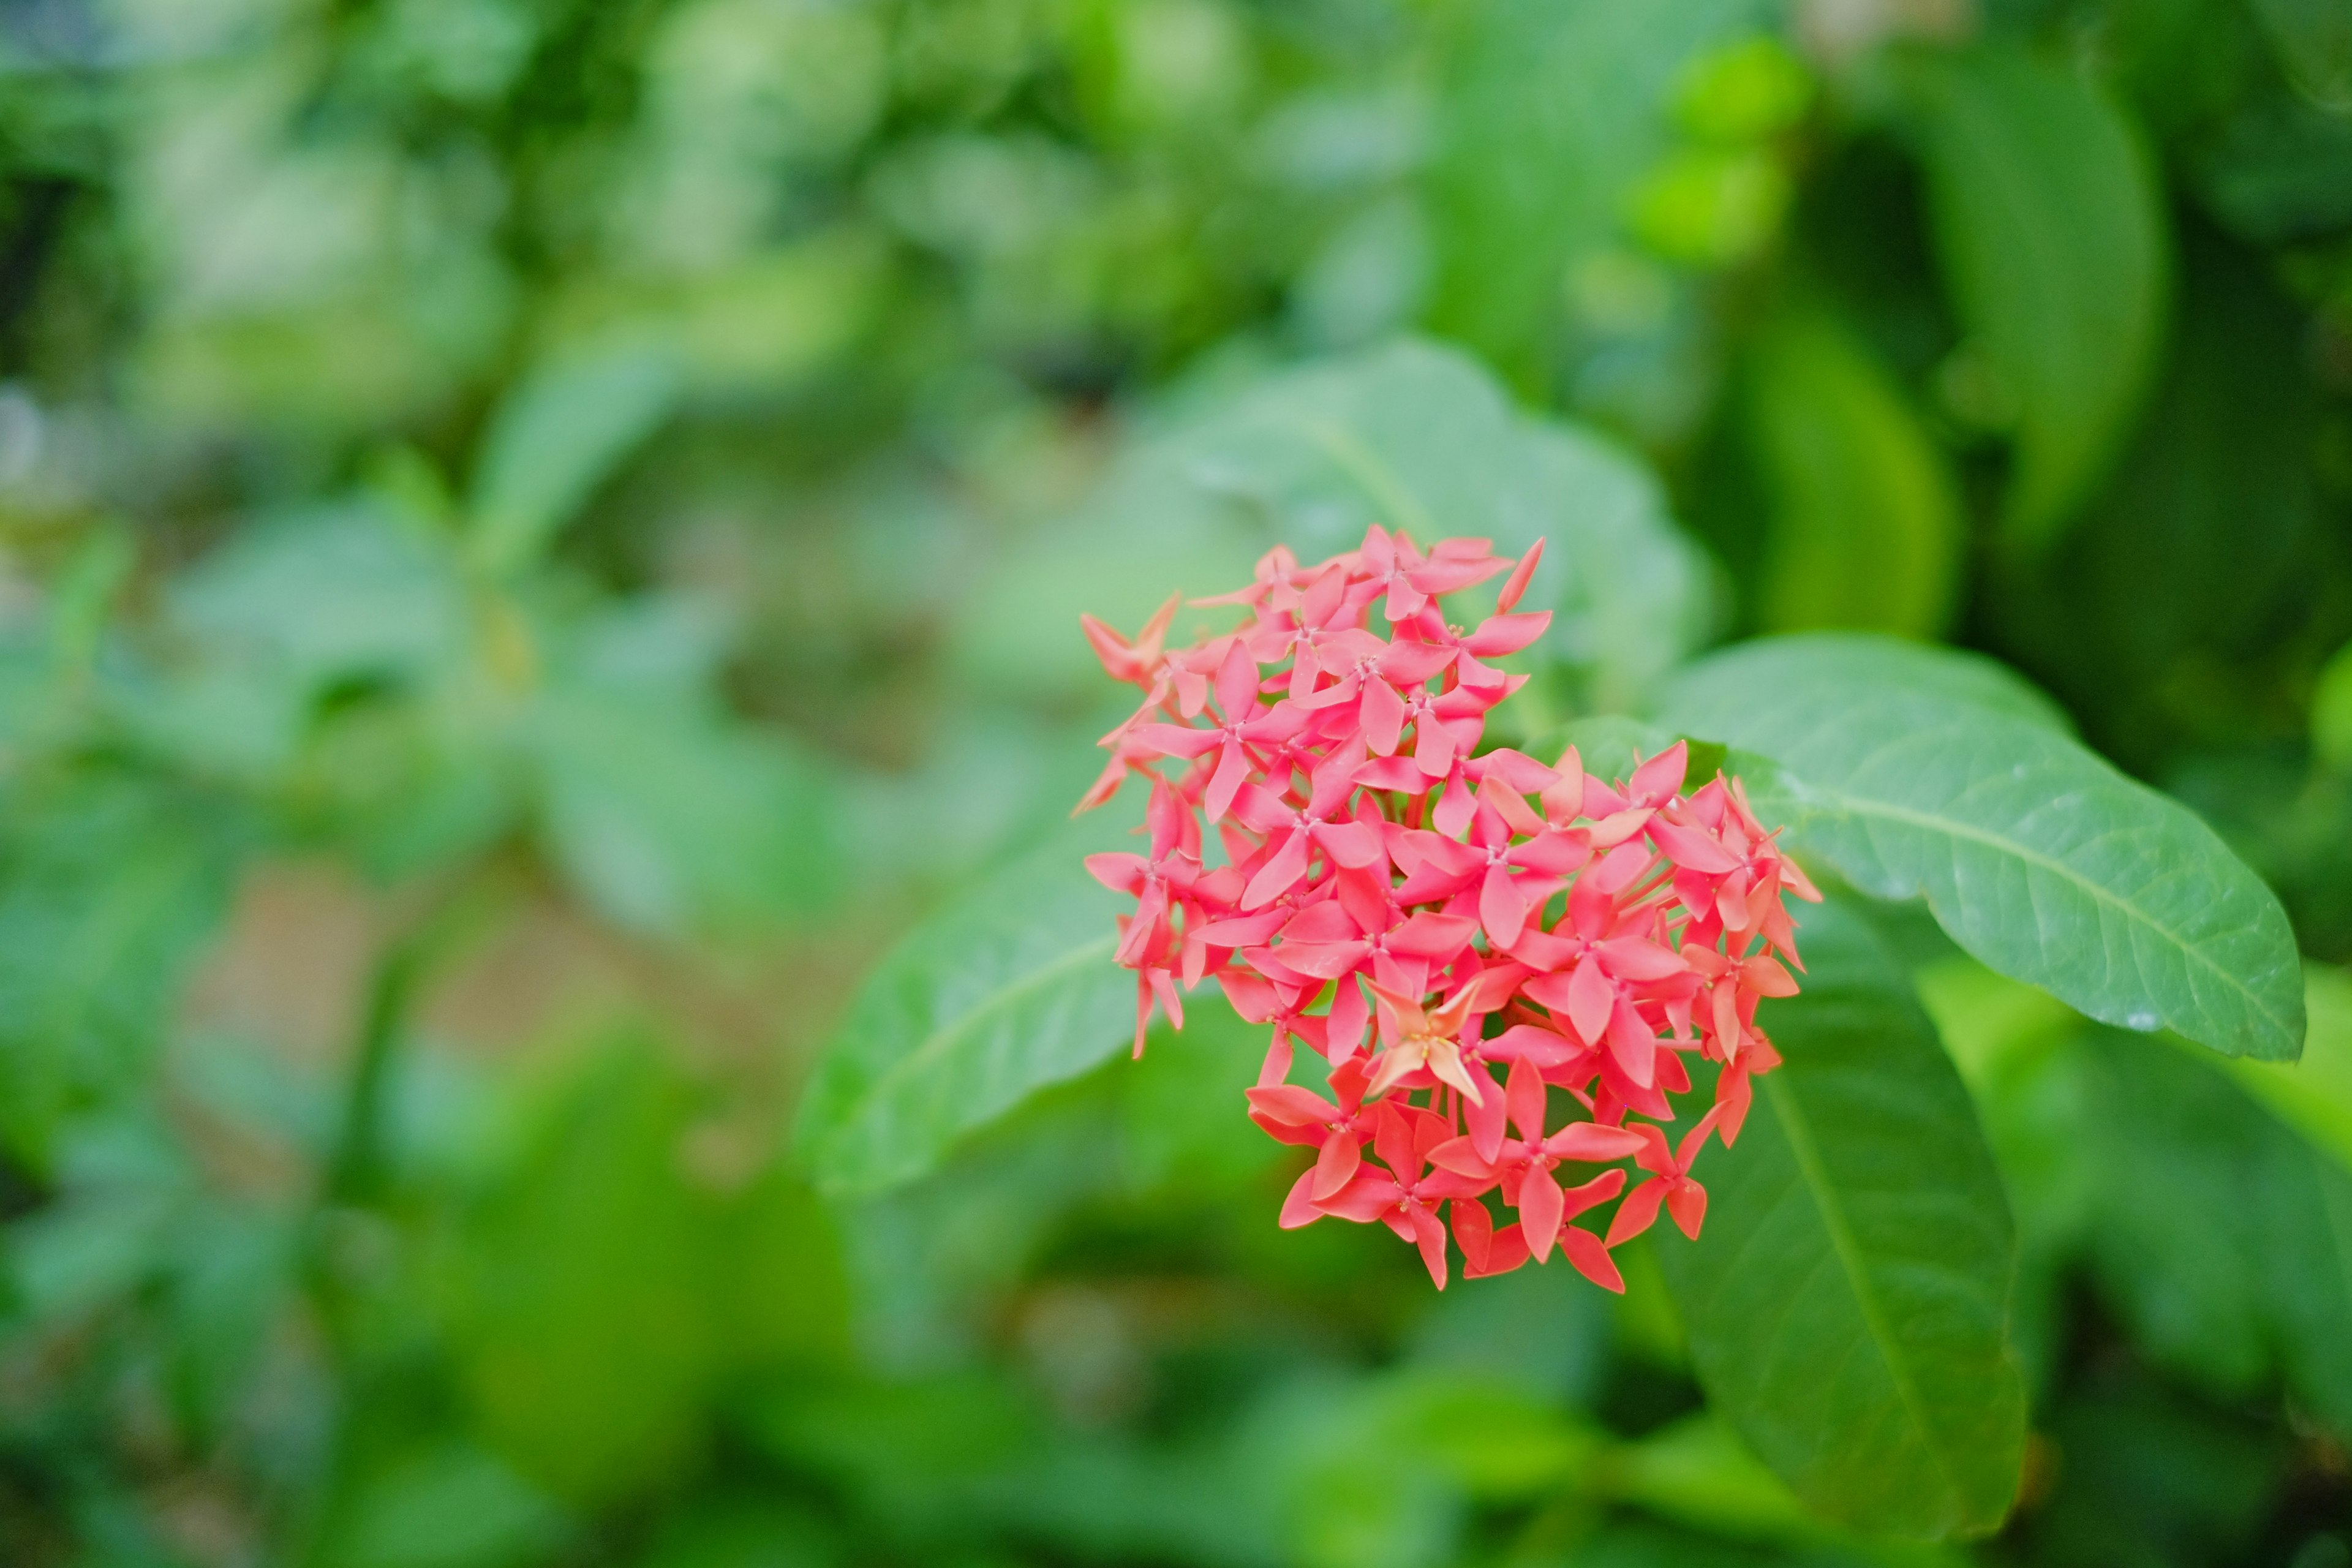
1369, 860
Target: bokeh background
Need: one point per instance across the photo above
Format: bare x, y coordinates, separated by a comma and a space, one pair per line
538, 536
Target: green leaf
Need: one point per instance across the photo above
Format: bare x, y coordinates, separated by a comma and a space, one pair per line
671, 817
109, 886
1007, 989
1417, 437
556, 437
2331, 712
2220, 1239
1848, 1300
2049, 220
617, 1272
1552, 111
1866, 524
2032, 853
2314, 1095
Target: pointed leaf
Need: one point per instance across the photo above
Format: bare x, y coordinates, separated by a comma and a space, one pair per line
2049, 216
1848, 1300
1865, 521
2034, 854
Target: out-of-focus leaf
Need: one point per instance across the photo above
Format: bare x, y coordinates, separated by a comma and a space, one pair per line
2221, 1238
2049, 217
2200, 570
557, 436
338, 593
1551, 111
1007, 989
2314, 1094
456, 1506
1419, 437
1408, 435
2032, 853
2331, 712
1695, 1471
2279, 170
670, 818
729, 1533
1848, 1300
1867, 524
604, 1286
107, 885
1181, 1127
576, 1296
2313, 39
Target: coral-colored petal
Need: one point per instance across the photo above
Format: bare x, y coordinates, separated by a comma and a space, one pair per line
1638, 1211
1336, 1164
1592, 1258
1540, 1211
1687, 1203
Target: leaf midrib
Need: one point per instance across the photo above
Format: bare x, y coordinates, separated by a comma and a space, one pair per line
1807, 1153
1863, 806
942, 1040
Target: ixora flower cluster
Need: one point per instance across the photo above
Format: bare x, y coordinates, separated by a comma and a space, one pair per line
1490, 912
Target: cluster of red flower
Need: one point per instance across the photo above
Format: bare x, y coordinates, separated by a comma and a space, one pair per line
1583, 936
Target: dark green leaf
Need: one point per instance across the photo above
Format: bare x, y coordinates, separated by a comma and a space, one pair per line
1867, 524
2049, 216
1009, 988
2313, 39
2221, 1239
1552, 112
1848, 1300
2032, 853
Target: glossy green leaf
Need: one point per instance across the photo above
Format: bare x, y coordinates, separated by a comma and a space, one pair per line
2049, 219
557, 436
1007, 989
1866, 525
2033, 853
1848, 1300
1552, 110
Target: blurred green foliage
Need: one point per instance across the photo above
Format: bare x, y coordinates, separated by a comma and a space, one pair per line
536, 536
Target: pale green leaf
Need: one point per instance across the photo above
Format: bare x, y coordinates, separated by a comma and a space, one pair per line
1408, 435
1867, 524
557, 437
1848, 1300
2049, 219
2033, 853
